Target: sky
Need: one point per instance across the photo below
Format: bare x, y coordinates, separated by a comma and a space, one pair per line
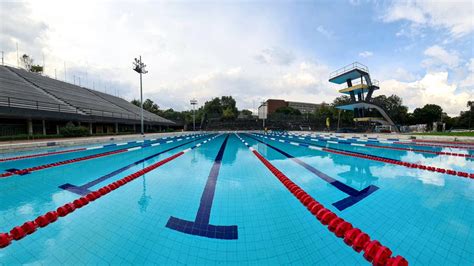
422, 51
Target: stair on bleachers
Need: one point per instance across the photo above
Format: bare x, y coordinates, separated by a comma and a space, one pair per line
70, 108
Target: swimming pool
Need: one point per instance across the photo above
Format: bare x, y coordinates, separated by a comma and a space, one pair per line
241, 198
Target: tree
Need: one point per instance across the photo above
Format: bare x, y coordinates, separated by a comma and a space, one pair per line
148, 105
213, 106
246, 112
428, 114
394, 107
28, 63
228, 114
136, 102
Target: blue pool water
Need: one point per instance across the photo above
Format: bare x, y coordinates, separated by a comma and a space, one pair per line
248, 215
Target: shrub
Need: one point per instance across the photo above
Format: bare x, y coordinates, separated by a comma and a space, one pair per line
74, 131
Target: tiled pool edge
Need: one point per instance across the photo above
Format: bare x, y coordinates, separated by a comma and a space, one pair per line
33, 145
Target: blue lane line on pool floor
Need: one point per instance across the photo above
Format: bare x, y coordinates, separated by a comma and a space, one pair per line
306, 144
84, 189
200, 226
354, 194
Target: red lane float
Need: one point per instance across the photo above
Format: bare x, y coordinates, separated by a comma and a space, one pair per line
406, 164
41, 221
354, 237
41, 167
443, 142
39, 155
419, 150
434, 145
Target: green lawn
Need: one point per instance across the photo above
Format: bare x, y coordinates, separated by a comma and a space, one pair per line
455, 134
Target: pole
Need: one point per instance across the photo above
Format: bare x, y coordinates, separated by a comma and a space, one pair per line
17, 57
2, 58
141, 98
194, 118
65, 72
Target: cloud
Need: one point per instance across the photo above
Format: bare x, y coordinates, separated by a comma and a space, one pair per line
438, 56
17, 27
469, 80
456, 16
303, 81
366, 54
327, 33
432, 88
275, 55
354, 2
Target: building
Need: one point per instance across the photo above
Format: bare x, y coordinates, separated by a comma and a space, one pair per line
305, 108
270, 106
37, 105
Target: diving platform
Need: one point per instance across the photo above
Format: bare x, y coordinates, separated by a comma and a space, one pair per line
349, 72
360, 88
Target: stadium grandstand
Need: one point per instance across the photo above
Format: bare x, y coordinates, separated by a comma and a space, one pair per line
37, 105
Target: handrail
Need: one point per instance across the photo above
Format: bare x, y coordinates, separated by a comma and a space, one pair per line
46, 106
355, 65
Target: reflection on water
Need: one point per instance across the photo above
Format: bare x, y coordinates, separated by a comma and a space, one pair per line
144, 200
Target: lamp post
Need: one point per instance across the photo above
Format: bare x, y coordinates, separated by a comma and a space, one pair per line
139, 67
193, 103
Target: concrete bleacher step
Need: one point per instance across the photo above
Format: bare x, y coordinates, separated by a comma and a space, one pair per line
59, 100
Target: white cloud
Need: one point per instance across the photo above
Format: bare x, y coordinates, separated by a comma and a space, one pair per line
433, 88
438, 56
469, 80
366, 54
456, 16
405, 10
327, 33
18, 27
354, 2
275, 55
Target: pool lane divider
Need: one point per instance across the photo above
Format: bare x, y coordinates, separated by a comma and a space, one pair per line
201, 226
435, 145
375, 158
75, 160
375, 146
443, 142
387, 141
39, 155
373, 250
74, 150
415, 142
354, 195
84, 189
19, 232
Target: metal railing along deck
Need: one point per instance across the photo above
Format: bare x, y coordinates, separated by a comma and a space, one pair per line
355, 65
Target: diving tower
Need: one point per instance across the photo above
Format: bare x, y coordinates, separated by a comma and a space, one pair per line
360, 88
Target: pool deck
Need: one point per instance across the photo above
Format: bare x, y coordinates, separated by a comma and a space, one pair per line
26, 145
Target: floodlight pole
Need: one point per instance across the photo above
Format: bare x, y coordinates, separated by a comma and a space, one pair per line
141, 102
193, 103
139, 67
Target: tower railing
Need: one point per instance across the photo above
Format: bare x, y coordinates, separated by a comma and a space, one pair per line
355, 65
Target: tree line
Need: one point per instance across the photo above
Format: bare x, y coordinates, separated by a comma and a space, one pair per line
224, 109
